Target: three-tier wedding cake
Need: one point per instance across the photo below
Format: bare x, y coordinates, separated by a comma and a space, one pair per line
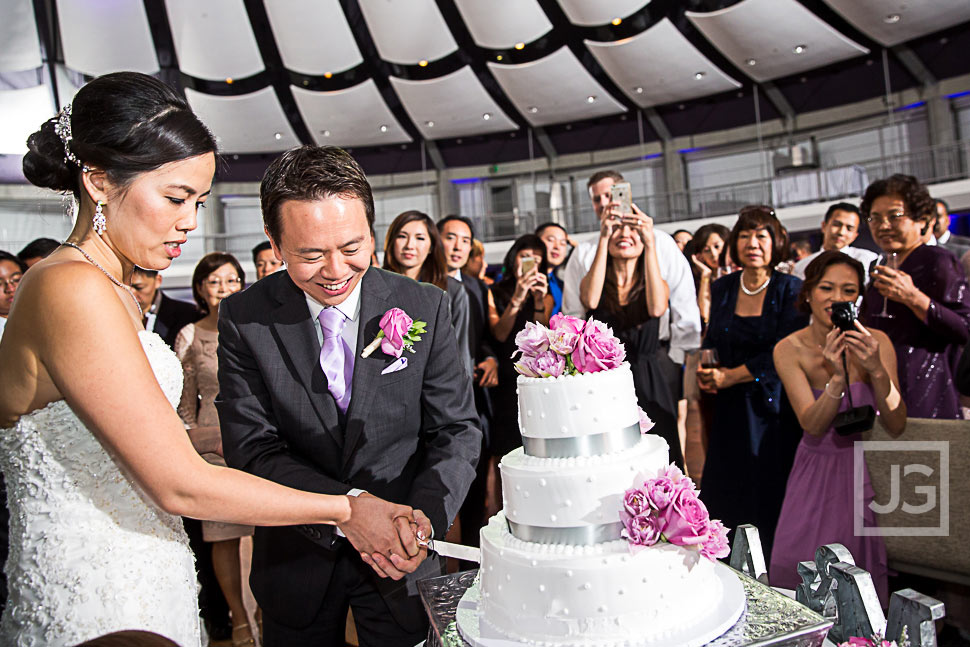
601, 541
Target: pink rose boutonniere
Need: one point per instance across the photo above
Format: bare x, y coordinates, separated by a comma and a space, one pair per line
398, 333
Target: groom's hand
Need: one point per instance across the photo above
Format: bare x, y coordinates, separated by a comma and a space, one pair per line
373, 527
397, 565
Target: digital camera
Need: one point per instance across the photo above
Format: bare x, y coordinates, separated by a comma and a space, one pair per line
844, 314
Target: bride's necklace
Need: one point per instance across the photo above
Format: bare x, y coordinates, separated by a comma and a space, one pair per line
127, 289
757, 290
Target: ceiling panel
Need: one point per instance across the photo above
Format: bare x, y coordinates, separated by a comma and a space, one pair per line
19, 45
891, 22
451, 106
500, 24
599, 12
356, 116
213, 39
103, 37
21, 113
247, 123
313, 36
554, 89
408, 31
660, 66
797, 41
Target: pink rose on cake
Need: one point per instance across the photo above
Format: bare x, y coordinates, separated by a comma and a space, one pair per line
642, 530
716, 546
636, 501
533, 339
646, 424
597, 350
686, 521
550, 364
565, 323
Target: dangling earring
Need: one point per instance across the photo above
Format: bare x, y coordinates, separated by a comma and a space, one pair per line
99, 222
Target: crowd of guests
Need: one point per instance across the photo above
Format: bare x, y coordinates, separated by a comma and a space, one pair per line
754, 305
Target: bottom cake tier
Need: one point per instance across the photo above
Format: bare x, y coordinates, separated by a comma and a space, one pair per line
598, 594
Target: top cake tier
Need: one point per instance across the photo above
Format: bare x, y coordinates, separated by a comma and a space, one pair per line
579, 415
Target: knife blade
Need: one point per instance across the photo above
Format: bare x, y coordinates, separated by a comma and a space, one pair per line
448, 549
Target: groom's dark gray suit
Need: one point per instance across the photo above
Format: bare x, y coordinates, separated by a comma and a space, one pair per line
411, 436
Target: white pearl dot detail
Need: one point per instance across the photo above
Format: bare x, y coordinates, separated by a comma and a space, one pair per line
587, 586
542, 482
542, 588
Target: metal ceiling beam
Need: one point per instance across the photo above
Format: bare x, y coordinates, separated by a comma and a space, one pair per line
437, 160
913, 64
780, 103
657, 123
545, 143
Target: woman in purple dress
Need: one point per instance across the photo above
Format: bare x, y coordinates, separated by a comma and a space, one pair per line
924, 305
821, 493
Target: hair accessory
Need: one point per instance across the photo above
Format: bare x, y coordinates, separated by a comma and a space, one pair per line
63, 129
99, 222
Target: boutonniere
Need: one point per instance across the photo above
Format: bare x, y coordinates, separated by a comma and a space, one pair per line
398, 333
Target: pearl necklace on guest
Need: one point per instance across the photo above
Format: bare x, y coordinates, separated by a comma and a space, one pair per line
757, 290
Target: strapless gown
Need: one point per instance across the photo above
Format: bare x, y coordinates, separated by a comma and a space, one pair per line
90, 553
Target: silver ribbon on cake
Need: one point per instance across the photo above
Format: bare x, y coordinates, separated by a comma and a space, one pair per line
572, 536
576, 446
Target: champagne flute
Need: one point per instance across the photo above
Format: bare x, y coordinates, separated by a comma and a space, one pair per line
891, 261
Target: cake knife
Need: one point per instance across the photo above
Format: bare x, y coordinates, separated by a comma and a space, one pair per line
448, 549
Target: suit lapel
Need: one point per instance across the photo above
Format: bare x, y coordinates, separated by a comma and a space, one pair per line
367, 371
298, 341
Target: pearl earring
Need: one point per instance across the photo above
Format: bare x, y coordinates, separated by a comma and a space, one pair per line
99, 222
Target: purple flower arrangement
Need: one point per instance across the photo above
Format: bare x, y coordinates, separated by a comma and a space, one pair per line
569, 346
667, 509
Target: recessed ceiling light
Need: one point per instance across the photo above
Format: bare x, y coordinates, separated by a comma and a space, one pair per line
326, 133
423, 63
229, 80
616, 21
235, 157
429, 124
306, 82
498, 58
487, 116
699, 75
798, 49
533, 109
278, 135
591, 98
892, 18
638, 90
520, 46
681, 107
383, 128
327, 75
751, 62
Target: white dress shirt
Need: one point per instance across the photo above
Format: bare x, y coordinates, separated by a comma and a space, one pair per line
682, 322
864, 256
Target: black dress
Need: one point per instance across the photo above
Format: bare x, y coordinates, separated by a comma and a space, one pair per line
505, 435
640, 335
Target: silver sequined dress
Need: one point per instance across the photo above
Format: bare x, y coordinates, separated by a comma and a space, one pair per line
90, 553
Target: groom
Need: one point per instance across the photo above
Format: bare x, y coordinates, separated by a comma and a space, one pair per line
299, 405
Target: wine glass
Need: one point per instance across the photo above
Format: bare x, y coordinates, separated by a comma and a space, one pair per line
891, 261
709, 358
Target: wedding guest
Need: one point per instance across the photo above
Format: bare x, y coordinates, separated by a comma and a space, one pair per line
558, 250
959, 245
476, 265
624, 290
37, 250
840, 228
682, 237
412, 247
11, 271
265, 260
708, 241
216, 276
754, 432
522, 295
163, 315
819, 506
925, 300
800, 249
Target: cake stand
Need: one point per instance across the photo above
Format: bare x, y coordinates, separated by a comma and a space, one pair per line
769, 617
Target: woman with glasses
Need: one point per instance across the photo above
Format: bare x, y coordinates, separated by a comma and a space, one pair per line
216, 276
754, 432
918, 296
11, 270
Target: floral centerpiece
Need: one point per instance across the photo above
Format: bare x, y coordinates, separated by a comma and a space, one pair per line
569, 346
667, 509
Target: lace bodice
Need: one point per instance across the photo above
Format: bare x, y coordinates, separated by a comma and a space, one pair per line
90, 553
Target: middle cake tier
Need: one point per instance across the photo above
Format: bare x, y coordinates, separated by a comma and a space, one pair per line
575, 500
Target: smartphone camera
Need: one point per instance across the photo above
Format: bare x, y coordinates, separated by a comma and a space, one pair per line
844, 314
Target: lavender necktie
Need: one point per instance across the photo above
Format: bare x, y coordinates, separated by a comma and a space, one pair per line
336, 359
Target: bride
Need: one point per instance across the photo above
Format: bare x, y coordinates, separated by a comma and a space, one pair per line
97, 463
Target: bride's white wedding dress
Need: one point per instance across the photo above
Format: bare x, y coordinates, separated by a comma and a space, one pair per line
90, 553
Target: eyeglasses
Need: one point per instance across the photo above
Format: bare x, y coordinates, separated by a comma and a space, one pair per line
12, 282
232, 282
892, 218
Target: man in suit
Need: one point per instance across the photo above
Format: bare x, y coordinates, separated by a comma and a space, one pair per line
958, 245
163, 315
298, 404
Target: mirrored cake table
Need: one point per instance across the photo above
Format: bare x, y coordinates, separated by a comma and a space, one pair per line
770, 618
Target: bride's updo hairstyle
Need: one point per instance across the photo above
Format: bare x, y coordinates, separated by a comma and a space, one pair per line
125, 124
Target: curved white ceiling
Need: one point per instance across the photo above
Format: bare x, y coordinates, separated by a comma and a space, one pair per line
891, 22
589, 13
350, 117
313, 36
555, 89
21, 113
632, 63
500, 24
248, 123
739, 32
103, 37
213, 39
408, 31
451, 106
19, 45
